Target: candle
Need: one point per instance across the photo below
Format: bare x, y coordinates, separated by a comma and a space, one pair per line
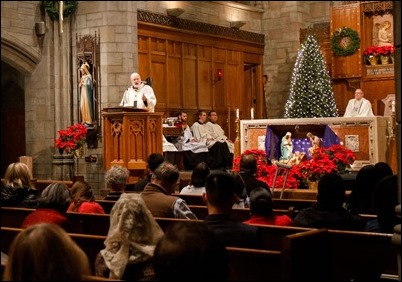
237, 113
393, 106
252, 113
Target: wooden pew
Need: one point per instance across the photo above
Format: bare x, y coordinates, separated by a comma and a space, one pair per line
240, 214
107, 205
362, 255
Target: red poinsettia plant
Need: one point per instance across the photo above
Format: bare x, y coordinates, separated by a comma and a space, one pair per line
371, 51
72, 138
379, 50
386, 50
334, 159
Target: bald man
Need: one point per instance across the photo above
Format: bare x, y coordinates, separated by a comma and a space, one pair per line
139, 95
359, 106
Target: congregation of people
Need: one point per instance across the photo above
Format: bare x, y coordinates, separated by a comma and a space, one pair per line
136, 248
192, 247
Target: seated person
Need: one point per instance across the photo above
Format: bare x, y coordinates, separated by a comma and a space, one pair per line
328, 212
248, 169
385, 199
194, 151
83, 199
216, 131
17, 189
261, 208
45, 252
197, 182
219, 155
116, 179
153, 161
190, 251
130, 243
220, 196
359, 106
52, 207
157, 195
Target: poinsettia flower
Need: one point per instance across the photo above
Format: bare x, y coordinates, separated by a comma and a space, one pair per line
72, 138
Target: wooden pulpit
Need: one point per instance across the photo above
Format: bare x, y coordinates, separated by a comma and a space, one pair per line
130, 135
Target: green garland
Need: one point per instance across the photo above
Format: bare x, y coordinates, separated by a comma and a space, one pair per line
52, 8
353, 45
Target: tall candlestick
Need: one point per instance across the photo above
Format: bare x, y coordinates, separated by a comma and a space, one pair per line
393, 106
237, 113
252, 113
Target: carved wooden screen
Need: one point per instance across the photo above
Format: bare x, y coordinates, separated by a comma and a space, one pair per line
346, 16
88, 52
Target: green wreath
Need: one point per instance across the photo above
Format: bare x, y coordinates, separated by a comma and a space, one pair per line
345, 41
52, 8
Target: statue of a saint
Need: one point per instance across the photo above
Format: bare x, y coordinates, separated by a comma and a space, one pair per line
286, 146
86, 99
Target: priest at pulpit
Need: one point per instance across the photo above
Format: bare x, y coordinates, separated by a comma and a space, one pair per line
139, 95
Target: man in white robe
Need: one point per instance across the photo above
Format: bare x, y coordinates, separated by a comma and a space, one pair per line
193, 150
217, 132
359, 106
139, 95
219, 155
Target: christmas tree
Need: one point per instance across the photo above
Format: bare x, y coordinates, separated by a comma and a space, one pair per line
311, 92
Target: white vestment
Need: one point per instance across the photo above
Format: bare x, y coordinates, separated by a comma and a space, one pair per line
133, 98
360, 108
216, 131
186, 142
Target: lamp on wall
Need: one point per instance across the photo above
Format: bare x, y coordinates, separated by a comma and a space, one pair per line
219, 74
236, 24
175, 12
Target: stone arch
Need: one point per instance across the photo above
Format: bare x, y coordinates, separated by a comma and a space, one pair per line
18, 54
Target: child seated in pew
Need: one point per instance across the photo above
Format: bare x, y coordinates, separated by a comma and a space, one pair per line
83, 199
261, 209
45, 252
189, 251
130, 243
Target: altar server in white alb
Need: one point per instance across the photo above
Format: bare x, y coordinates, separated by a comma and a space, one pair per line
217, 132
139, 95
359, 106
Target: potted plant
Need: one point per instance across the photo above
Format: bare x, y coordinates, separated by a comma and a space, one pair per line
371, 55
72, 139
386, 53
334, 159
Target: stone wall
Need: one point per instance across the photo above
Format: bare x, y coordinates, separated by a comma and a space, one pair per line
50, 70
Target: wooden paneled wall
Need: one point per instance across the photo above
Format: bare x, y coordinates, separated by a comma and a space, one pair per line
351, 72
184, 66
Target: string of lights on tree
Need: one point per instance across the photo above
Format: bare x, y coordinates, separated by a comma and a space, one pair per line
310, 93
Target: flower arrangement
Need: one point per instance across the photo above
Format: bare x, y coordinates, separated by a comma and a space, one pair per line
335, 159
379, 50
72, 138
371, 51
386, 50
